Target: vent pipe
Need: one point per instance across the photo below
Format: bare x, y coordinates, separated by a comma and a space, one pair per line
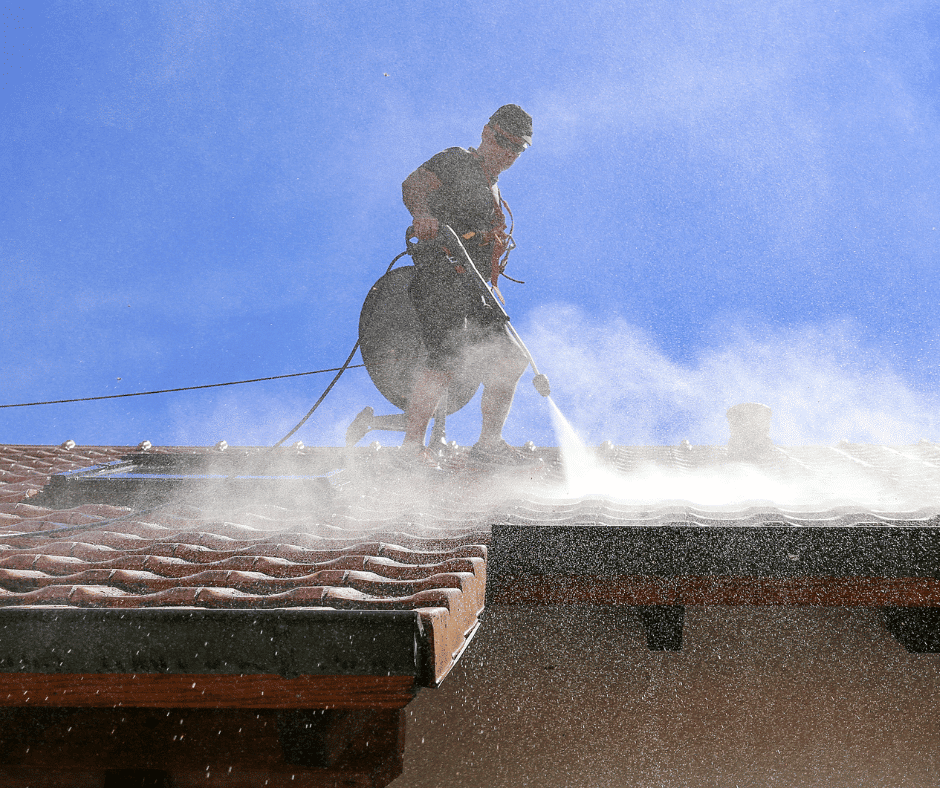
750, 431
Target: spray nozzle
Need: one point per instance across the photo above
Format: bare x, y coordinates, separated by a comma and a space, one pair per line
541, 385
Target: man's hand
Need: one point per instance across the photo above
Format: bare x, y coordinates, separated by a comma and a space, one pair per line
426, 227
415, 192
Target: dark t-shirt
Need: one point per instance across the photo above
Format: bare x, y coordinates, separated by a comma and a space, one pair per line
450, 308
465, 200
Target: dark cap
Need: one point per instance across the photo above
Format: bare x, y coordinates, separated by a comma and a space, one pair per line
514, 120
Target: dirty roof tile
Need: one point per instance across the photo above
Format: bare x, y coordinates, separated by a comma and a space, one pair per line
256, 556
375, 545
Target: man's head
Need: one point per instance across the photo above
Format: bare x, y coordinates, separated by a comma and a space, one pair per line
507, 134
512, 127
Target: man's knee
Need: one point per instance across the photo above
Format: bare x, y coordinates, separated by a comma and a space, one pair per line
506, 370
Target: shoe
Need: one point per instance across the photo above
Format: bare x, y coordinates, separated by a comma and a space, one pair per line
501, 453
411, 458
360, 426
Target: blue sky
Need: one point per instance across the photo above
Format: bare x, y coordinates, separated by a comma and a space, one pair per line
724, 201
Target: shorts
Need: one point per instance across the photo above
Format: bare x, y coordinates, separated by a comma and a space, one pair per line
451, 311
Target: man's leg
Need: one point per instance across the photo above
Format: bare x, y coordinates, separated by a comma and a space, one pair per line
499, 388
440, 302
430, 386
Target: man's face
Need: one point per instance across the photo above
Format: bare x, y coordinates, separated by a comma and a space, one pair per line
498, 150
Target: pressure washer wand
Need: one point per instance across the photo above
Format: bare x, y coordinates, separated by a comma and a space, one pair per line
540, 381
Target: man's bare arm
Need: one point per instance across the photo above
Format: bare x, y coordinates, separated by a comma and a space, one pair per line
415, 192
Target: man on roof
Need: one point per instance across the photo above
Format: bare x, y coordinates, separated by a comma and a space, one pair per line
458, 188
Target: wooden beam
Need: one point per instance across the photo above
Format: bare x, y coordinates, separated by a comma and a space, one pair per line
370, 741
717, 590
583, 590
166, 691
663, 626
220, 747
192, 778
915, 628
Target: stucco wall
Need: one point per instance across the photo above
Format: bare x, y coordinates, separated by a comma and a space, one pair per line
553, 696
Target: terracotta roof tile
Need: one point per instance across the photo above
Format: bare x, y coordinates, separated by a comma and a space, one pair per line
54, 564
261, 556
376, 546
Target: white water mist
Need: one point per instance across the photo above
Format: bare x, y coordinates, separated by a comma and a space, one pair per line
725, 484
